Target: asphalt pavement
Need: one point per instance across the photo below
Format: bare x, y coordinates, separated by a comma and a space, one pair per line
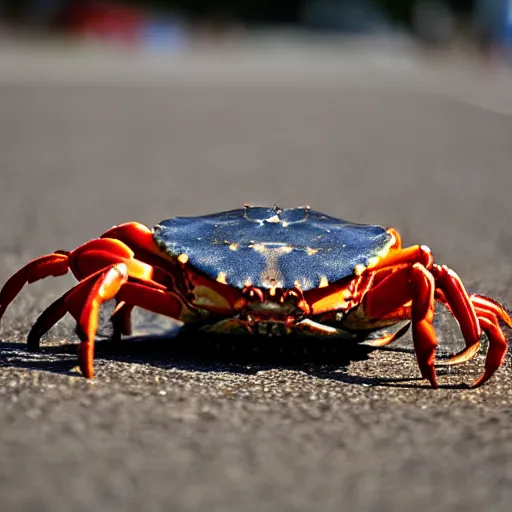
170, 426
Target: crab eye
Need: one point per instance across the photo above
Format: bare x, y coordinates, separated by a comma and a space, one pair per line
253, 294
295, 294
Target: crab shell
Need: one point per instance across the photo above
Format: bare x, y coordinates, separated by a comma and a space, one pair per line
267, 271
273, 257
273, 248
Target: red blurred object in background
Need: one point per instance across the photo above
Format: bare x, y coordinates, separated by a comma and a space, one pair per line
103, 20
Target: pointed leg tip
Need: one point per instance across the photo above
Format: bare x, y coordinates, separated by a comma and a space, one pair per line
483, 378
88, 373
116, 337
465, 355
85, 360
33, 342
479, 382
432, 378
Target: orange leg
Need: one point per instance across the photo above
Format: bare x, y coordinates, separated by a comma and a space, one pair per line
56, 311
74, 301
490, 305
497, 344
397, 258
387, 292
414, 254
121, 320
84, 300
474, 313
451, 292
386, 340
140, 238
110, 283
466, 354
398, 239
416, 284
422, 316
86, 261
99, 253
83, 261
492, 311
489, 312
497, 349
134, 235
55, 264
48, 318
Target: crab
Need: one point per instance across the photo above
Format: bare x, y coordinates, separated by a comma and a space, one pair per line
269, 271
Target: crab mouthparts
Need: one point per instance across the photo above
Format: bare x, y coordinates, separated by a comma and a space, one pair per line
271, 308
269, 328
271, 316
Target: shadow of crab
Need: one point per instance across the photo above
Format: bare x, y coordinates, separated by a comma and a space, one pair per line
164, 345
195, 352
323, 359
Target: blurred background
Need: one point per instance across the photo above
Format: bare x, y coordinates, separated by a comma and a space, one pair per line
397, 112
473, 25
255, 101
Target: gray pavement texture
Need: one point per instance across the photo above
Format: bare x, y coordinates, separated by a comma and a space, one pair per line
162, 428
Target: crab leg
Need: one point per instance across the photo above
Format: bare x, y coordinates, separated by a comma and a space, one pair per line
393, 262
121, 320
489, 313
474, 314
398, 239
55, 264
466, 354
84, 301
84, 261
134, 235
56, 311
140, 239
497, 344
386, 340
416, 284
485, 303
485, 308
410, 255
110, 283
46, 320
52, 314
451, 292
